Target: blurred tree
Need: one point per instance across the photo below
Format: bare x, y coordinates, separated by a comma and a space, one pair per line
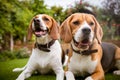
81, 7
15, 16
112, 11
38, 7
58, 13
6, 10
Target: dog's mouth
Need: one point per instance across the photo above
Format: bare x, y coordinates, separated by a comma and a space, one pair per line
82, 44
41, 32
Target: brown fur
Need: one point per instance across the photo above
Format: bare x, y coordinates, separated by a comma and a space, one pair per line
67, 32
52, 26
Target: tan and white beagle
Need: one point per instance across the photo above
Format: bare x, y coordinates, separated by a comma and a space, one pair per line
46, 55
84, 34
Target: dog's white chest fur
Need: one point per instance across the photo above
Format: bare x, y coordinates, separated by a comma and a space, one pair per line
44, 61
81, 64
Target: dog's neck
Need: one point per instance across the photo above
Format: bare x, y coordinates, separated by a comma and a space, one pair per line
76, 48
44, 43
86, 51
43, 40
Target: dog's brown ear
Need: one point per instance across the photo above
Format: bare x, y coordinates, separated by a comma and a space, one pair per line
98, 31
65, 31
54, 31
29, 35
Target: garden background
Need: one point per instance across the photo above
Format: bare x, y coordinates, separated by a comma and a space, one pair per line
15, 16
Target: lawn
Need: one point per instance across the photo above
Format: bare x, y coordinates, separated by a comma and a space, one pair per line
7, 74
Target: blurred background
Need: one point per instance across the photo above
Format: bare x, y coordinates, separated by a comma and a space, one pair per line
15, 16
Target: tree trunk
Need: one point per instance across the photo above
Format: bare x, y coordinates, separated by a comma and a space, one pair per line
6, 42
11, 42
24, 39
109, 23
110, 34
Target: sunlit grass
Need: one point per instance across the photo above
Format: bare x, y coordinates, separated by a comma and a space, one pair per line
7, 74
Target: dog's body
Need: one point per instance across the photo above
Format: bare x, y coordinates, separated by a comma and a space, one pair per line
84, 34
111, 57
47, 53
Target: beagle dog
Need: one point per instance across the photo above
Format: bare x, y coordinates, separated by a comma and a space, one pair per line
47, 53
83, 33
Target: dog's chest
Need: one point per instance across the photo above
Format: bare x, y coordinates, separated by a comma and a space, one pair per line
43, 62
43, 59
81, 64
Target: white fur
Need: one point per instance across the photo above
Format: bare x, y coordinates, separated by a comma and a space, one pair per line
78, 35
117, 72
66, 60
43, 61
69, 75
81, 64
19, 69
43, 39
89, 78
41, 22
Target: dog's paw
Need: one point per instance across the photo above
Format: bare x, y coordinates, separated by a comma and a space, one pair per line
20, 79
88, 78
117, 72
69, 75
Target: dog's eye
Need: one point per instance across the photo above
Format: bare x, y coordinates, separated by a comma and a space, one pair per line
76, 22
91, 23
45, 19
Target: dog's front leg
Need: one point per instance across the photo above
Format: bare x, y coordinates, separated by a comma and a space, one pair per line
58, 69
98, 74
25, 74
59, 72
69, 75
60, 75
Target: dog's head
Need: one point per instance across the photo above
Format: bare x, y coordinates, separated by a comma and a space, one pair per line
81, 28
42, 25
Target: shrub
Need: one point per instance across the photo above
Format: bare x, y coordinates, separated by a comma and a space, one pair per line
8, 55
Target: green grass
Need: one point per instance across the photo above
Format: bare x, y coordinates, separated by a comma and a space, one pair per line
7, 74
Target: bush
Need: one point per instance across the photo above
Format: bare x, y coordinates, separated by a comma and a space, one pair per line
8, 55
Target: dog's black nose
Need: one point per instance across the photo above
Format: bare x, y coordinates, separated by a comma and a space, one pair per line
36, 20
86, 30
37, 23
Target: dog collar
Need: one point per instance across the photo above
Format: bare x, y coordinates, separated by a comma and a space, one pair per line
85, 52
45, 47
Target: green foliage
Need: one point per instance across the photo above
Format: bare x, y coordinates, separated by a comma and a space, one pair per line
108, 33
15, 16
9, 55
58, 13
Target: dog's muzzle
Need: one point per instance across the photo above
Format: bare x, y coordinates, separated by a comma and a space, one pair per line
85, 39
38, 28
86, 32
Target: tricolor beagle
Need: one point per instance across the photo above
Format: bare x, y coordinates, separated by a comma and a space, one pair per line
47, 53
85, 56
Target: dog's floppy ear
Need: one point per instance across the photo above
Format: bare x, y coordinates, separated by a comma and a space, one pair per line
98, 31
54, 32
29, 35
65, 31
